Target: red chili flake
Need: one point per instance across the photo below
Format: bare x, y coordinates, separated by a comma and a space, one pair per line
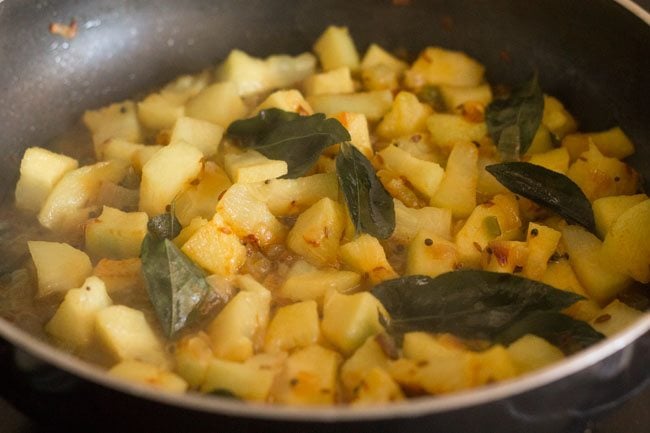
504, 56
617, 179
517, 269
603, 318
416, 138
225, 230
68, 31
501, 255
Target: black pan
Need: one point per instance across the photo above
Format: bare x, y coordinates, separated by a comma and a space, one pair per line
592, 54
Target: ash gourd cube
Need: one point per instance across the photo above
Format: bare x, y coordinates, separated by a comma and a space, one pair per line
115, 234
615, 317
373, 104
608, 209
117, 120
157, 112
248, 215
293, 326
287, 100
192, 355
252, 75
234, 330
150, 375
201, 200
357, 126
306, 282
406, 116
380, 70
201, 134
557, 119
556, 160
251, 166
215, 247
160, 110
75, 195
596, 273
455, 96
73, 323
376, 55
612, 143
317, 232
530, 352
348, 320
218, 103
309, 377
59, 266
626, 247
375, 388
475, 234
448, 129
429, 254
125, 334
331, 82
439, 66
40, 170
457, 189
599, 176
251, 380
335, 48
166, 174
425, 176
366, 357
366, 256
285, 197
410, 221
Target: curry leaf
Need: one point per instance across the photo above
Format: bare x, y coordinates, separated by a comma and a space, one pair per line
253, 130
569, 334
547, 188
522, 109
432, 95
371, 207
298, 140
164, 226
470, 303
176, 286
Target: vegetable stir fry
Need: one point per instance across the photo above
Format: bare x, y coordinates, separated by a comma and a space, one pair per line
324, 229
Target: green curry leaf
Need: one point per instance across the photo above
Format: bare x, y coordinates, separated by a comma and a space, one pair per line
164, 226
371, 207
513, 121
569, 334
176, 286
475, 304
547, 188
298, 140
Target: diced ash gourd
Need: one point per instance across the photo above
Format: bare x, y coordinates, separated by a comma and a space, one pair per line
308, 331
